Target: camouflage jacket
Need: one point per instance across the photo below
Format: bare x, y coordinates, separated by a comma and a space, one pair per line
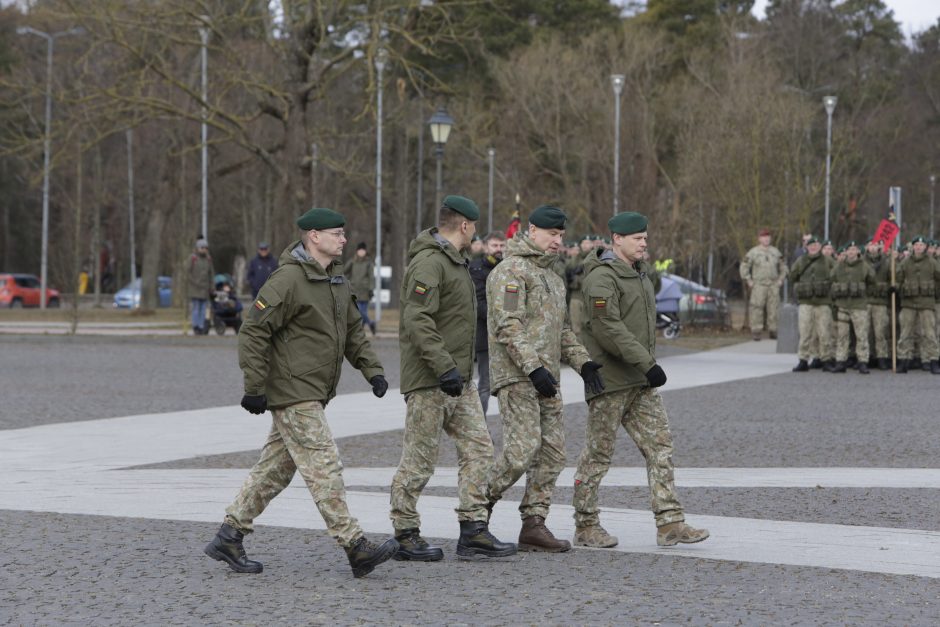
851, 281
620, 332
918, 280
301, 325
526, 317
764, 266
811, 279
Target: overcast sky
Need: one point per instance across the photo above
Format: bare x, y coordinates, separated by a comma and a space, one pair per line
914, 15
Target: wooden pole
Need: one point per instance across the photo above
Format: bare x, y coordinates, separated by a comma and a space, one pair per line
894, 301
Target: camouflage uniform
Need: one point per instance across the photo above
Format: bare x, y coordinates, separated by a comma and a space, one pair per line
811, 283
879, 305
766, 269
621, 335
918, 278
528, 329
850, 283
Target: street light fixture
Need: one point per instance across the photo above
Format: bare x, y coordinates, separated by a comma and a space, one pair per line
491, 153
441, 124
380, 60
830, 103
616, 81
46, 150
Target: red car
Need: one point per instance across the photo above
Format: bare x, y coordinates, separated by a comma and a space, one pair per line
23, 290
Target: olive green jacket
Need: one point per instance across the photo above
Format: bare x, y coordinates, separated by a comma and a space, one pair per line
360, 273
811, 279
851, 281
293, 340
620, 332
200, 276
527, 320
878, 293
918, 280
438, 317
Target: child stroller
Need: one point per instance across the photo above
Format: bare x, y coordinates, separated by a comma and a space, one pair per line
226, 308
667, 308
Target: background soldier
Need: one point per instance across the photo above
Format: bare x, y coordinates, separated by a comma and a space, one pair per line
438, 320
307, 300
764, 270
851, 279
360, 270
878, 303
493, 246
810, 275
620, 335
575, 275
529, 337
918, 278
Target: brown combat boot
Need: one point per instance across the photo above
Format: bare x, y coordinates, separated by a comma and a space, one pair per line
673, 533
595, 537
535, 536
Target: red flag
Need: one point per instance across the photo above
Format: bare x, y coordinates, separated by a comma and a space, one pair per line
513, 226
887, 230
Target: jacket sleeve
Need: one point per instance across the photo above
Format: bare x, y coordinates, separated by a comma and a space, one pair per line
422, 291
506, 301
269, 313
607, 327
746, 267
798, 267
782, 267
573, 352
359, 351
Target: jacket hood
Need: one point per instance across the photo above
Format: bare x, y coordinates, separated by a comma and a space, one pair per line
522, 246
296, 254
430, 239
600, 257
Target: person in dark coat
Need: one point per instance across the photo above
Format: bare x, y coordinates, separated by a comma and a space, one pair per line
260, 268
493, 245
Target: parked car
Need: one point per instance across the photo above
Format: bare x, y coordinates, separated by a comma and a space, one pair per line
24, 290
699, 304
128, 297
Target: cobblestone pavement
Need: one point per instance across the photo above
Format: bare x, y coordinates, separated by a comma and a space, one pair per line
75, 569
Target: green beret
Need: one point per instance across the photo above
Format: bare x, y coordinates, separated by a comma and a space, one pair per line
902, 248
320, 219
919, 238
627, 223
464, 206
827, 242
812, 240
849, 244
548, 217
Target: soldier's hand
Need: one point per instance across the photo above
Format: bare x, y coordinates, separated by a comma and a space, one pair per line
592, 378
255, 404
544, 382
656, 376
452, 382
750, 285
379, 385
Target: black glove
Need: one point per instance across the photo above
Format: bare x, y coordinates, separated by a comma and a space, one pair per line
544, 382
656, 376
592, 378
379, 385
452, 382
893, 289
255, 404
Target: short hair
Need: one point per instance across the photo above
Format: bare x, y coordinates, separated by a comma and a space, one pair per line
449, 219
493, 235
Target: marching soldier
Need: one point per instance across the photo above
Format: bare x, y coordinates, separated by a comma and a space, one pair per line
764, 270
810, 275
918, 278
436, 330
529, 337
851, 280
620, 335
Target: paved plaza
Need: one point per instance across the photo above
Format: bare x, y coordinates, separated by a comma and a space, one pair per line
821, 492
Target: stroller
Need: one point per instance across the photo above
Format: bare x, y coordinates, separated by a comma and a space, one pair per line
226, 308
667, 308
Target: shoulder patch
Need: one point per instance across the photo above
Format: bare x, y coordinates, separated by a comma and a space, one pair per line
259, 308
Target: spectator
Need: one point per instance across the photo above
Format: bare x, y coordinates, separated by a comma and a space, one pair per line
200, 285
260, 268
361, 275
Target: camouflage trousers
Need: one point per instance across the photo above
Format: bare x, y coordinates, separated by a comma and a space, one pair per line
533, 444
881, 328
920, 324
815, 323
431, 411
300, 440
641, 412
576, 313
846, 321
764, 297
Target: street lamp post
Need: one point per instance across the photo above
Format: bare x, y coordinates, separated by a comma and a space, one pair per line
46, 150
129, 136
204, 60
830, 103
933, 185
441, 123
381, 58
616, 81
491, 153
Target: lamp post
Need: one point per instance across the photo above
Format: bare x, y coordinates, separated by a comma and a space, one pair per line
129, 136
441, 123
204, 36
830, 103
381, 58
491, 153
46, 150
616, 81
933, 185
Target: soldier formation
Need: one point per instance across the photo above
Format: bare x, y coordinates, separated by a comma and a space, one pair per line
305, 321
845, 302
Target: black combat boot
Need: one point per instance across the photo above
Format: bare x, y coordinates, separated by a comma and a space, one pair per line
935, 367
227, 547
364, 556
816, 364
802, 366
476, 539
915, 364
862, 367
884, 363
850, 362
412, 547
902, 366
839, 367
872, 362
829, 365
926, 366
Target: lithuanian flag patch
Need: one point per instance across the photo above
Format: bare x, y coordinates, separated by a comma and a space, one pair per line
600, 302
512, 289
421, 289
